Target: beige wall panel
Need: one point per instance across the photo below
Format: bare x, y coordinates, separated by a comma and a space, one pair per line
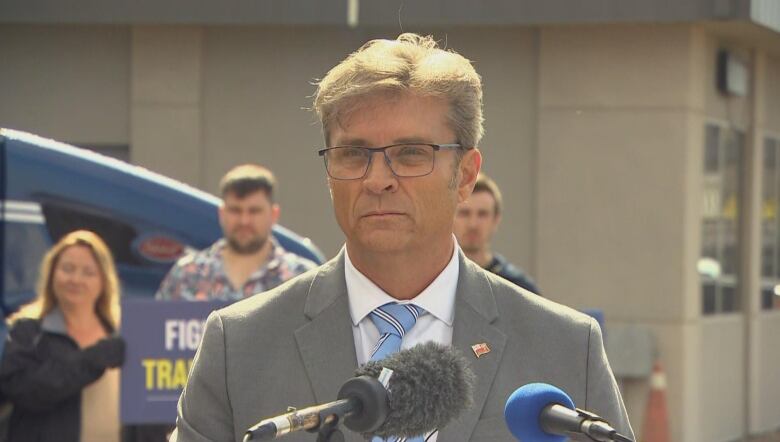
612, 197
166, 90
722, 386
70, 83
772, 95
166, 64
698, 69
167, 140
256, 83
687, 371
615, 66
767, 328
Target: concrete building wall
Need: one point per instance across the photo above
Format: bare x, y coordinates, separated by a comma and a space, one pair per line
603, 124
721, 382
67, 83
613, 186
166, 105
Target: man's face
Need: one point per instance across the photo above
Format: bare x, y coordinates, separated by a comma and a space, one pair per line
476, 221
246, 222
385, 213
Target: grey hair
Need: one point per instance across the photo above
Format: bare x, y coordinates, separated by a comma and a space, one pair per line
409, 64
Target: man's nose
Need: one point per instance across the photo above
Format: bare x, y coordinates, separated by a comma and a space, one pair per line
244, 217
379, 176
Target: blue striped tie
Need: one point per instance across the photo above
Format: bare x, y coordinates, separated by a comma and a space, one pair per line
393, 321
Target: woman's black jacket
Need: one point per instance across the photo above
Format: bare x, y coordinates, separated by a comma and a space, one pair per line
42, 374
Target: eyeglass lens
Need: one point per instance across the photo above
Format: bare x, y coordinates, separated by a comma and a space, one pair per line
406, 160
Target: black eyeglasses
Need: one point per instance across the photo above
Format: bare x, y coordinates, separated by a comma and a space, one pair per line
405, 160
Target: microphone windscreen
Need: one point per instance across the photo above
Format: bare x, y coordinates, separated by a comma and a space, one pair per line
524, 407
431, 385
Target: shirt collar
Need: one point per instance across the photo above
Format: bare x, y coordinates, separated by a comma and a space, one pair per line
438, 298
54, 321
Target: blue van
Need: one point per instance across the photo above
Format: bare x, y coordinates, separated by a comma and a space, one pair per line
48, 189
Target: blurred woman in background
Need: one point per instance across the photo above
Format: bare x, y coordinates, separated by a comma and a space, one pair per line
59, 364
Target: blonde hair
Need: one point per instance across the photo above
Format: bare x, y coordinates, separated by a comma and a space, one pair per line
107, 305
411, 63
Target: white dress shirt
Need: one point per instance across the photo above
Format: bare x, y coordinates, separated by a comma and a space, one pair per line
438, 300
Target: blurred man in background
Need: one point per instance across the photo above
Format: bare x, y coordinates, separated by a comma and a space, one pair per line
247, 260
476, 221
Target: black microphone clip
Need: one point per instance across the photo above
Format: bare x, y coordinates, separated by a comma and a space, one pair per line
361, 406
595, 427
579, 422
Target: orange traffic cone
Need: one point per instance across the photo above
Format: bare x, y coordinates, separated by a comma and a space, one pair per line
656, 424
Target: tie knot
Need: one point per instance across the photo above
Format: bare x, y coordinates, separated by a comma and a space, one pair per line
395, 319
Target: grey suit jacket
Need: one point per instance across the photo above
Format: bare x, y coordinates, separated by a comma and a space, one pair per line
293, 346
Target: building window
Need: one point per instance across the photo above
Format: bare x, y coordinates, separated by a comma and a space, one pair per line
719, 265
770, 229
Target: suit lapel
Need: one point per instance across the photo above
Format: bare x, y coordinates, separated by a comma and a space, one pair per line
326, 344
475, 310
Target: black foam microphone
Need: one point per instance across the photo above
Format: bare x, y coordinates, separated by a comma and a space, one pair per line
431, 384
427, 386
362, 400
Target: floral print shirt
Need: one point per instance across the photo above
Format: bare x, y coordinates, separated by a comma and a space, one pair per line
201, 276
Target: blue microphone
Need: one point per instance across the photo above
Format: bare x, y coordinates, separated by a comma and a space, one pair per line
543, 413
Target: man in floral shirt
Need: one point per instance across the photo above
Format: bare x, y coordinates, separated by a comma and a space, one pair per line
247, 260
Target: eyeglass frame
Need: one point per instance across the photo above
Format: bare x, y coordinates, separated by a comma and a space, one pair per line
383, 149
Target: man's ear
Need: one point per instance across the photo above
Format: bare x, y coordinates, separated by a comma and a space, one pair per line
470, 165
275, 212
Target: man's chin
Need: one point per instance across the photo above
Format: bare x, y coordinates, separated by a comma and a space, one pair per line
385, 241
247, 247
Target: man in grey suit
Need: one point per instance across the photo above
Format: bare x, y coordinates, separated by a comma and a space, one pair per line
401, 119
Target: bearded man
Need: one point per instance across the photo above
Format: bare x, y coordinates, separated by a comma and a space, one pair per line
247, 260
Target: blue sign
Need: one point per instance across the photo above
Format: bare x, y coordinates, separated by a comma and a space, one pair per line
161, 337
